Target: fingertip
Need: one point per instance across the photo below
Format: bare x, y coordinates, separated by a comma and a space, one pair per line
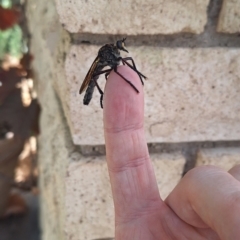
122, 104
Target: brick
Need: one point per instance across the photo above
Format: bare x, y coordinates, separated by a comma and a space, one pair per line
45, 40
89, 203
229, 19
225, 158
168, 169
53, 155
133, 17
52, 151
190, 94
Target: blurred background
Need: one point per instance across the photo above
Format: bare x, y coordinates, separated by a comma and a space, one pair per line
19, 113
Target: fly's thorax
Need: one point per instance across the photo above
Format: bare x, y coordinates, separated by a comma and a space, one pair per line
101, 64
116, 52
109, 55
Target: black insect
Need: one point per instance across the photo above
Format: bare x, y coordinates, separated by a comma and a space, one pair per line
108, 55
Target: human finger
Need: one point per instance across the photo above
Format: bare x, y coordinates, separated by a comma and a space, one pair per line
131, 173
208, 196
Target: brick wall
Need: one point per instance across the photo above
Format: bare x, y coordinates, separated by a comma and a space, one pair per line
190, 51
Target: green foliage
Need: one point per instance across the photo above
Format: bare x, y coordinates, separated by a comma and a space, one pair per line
11, 42
11, 39
6, 3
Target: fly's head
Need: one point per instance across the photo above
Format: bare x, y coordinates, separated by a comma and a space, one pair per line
120, 45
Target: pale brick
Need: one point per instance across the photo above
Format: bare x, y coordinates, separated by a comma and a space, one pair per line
53, 156
191, 94
229, 19
168, 170
133, 17
89, 203
45, 41
225, 158
52, 151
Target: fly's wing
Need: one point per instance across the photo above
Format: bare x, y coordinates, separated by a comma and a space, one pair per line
89, 75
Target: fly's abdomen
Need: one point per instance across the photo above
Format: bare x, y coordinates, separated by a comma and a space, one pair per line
89, 92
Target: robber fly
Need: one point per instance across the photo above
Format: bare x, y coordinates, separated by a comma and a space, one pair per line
108, 55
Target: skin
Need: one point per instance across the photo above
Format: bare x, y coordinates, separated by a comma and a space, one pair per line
204, 205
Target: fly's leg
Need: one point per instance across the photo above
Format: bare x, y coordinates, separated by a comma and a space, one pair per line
130, 59
101, 72
124, 61
115, 70
107, 74
100, 91
134, 66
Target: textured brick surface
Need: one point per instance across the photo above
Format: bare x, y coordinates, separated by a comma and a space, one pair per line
225, 158
168, 170
54, 147
229, 20
44, 40
191, 94
133, 17
52, 151
89, 203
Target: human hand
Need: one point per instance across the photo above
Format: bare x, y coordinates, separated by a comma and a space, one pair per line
204, 205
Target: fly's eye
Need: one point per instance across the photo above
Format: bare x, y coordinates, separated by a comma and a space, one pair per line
120, 45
